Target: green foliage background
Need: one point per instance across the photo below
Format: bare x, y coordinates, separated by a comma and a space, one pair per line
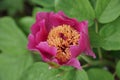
17, 63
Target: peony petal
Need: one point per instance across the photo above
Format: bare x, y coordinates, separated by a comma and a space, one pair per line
56, 19
40, 17
31, 43
78, 49
44, 58
35, 28
75, 50
47, 16
70, 21
84, 39
75, 63
85, 45
53, 63
83, 27
60, 18
42, 34
54, 60
61, 13
88, 50
43, 15
47, 51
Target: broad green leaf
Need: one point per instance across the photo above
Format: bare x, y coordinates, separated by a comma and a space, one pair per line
40, 71
111, 34
26, 23
80, 9
12, 6
36, 57
2, 7
81, 75
99, 74
44, 3
93, 3
75, 75
95, 39
66, 68
12, 40
118, 69
12, 67
107, 10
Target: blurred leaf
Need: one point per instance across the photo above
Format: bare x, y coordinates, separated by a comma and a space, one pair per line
75, 75
111, 34
12, 6
81, 75
44, 3
107, 10
99, 74
80, 9
95, 39
40, 71
93, 3
36, 57
12, 67
26, 23
2, 7
66, 68
12, 40
38, 9
118, 69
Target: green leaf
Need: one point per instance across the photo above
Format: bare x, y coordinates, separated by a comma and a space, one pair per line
81, 75
12, 40
93, 3
111, 34
12, 6
107, 10
80, 9
118, 69
40, 71
26, 23
12, 67
99, 74
44, 3
95, 39
75, 75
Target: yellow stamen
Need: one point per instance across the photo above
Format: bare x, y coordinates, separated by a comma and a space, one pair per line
62, 37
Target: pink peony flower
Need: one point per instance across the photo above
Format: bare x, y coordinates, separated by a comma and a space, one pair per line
59, 39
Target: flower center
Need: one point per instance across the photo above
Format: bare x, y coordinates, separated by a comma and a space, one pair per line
62, 37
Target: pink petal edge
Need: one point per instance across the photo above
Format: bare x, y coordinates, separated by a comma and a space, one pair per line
31, 42
42, 34
46, 50
75, 63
